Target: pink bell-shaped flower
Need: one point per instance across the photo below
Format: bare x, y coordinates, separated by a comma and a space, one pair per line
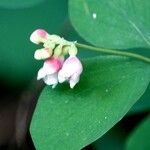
49, 71
39, 36
70, 71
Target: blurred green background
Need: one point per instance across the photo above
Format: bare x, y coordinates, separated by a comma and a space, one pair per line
16, 51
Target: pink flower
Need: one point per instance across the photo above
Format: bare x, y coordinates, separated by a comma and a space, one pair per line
70, 71
39, 36
49, 71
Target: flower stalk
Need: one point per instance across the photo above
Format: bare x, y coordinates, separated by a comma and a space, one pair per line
114, 52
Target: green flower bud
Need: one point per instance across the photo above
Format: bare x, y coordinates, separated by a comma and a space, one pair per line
58, 51
49, 44
65, 49
73, 50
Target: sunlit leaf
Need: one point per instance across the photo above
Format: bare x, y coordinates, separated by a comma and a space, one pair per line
117, 24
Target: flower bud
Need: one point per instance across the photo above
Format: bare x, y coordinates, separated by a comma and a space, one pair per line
49, 44
43, 53
58, 50
73, 50
65, 49
39, 36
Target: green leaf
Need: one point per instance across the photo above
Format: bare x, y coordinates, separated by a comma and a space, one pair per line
117, 24
18, 3
67, 118
17, 63
140, 138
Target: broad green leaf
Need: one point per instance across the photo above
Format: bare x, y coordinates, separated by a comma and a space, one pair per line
140, 138
16, 51
19, 3
67, 118
117, 24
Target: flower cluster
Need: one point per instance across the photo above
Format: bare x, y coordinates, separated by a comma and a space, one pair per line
55, 68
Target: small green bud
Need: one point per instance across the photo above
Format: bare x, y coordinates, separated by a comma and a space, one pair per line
49, 44
73, 50
65, 49
58, 51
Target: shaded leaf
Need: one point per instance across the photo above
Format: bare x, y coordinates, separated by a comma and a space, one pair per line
114, 139
140, 137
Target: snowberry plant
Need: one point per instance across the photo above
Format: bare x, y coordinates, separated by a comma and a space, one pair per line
56, 68
86, 97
